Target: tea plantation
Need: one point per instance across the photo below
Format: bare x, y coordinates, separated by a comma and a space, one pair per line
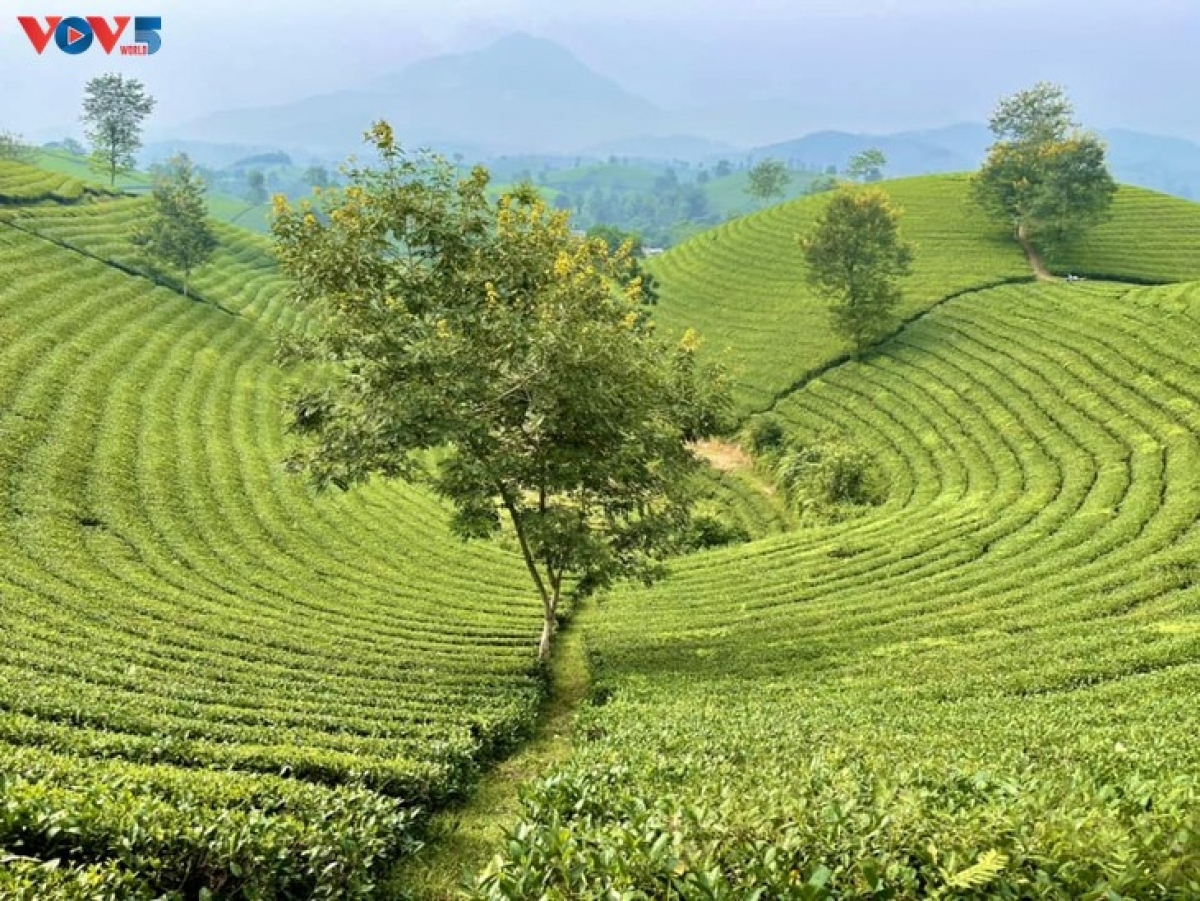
212, 682
742, 285
988, 687
207, 677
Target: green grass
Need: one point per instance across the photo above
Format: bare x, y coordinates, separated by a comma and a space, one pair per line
729, 197
222, 207
743, 285
80, 169
1005, 657
465, 838
179, 611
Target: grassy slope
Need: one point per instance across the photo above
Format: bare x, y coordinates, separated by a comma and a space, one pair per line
171, 596
991, 661
742, 285
1002, 657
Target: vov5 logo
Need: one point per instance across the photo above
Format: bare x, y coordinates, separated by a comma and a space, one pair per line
76, 34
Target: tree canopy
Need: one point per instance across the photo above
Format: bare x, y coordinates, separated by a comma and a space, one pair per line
177, 233
1044, 176
481, 347
855, 256
114, 108
14, 147
867, 166
768, 178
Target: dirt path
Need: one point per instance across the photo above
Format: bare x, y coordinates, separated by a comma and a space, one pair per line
464, 839
723, 456
1036, 262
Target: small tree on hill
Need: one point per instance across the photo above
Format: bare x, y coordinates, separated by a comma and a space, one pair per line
867, 166
177, 233
486, 331
855, 256
256, 187
114, 108
1044, 177
768, 179
13, 147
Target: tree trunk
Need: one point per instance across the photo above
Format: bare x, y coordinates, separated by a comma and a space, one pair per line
549, 602
185, 284
548, 626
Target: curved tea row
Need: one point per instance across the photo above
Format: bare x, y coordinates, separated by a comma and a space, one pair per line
174, 602
998, 667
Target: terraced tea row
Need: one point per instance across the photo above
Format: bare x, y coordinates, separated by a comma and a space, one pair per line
171, 596
21, 184
1149, 237
742, 285
997, 667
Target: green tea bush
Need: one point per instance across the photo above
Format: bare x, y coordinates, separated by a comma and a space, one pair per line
984, 687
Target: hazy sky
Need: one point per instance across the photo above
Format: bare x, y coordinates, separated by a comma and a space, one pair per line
851, 64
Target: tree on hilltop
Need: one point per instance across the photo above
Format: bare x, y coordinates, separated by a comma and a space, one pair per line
855, 256
867, 166
114, 108
1044, 177
488, 332
769, 178
177, 233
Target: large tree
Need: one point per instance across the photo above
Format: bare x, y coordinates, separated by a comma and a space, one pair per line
855, 257
177, 232
1044, 177
481, 347
114, 108
768, 179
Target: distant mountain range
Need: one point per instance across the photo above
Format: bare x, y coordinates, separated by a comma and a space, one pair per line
519, 95
525, 95
1170, 165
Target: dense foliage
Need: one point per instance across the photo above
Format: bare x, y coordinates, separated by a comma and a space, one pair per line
517, 352
210, 680
1044, 176
177, 234
855, 257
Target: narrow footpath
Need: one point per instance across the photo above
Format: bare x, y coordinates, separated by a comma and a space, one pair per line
463, 839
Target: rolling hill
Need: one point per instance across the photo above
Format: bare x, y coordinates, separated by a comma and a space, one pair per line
984, 689
742, 285
985, 686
